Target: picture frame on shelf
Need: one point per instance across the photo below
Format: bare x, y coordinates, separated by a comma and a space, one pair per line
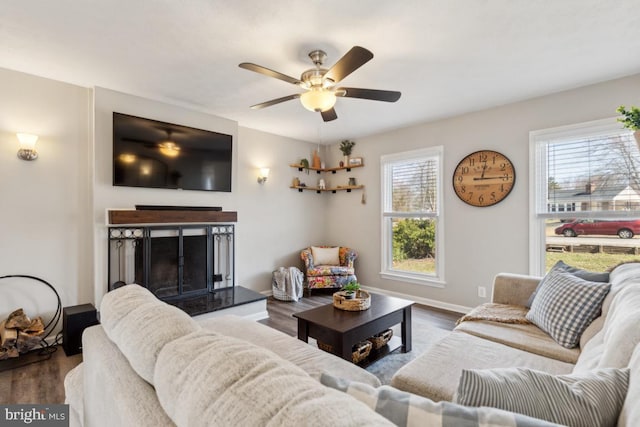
355, 161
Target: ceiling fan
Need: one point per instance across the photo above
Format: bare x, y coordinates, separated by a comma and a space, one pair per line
320, 83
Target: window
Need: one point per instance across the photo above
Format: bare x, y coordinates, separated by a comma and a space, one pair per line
585, 196
412, 221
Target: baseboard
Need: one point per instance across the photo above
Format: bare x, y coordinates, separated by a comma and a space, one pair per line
424, 301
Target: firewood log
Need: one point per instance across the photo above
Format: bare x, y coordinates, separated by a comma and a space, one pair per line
6, 353
13, 352
36, 327
8, 336
26, 342
18, 319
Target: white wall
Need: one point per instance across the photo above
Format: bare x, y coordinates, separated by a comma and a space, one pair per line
274, 222
479, 242
44, 219
52, 221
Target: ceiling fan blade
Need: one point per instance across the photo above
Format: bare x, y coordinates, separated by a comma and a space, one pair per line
268, 72
329, 115
373, 94
275, 101
351, 61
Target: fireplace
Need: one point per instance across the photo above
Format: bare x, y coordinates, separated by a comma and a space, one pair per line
173, 262
184, 257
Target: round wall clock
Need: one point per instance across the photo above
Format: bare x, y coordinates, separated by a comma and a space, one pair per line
484, 178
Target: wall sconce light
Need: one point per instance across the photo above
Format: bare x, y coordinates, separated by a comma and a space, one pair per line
263, 175
27, 149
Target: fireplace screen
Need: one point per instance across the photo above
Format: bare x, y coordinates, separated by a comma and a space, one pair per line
172, 261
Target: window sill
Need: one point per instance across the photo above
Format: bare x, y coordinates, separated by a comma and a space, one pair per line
413, 278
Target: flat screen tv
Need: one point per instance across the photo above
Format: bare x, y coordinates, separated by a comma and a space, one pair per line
153, 154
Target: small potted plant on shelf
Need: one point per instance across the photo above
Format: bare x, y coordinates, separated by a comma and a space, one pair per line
351, 289
631, 120
346, 147
305, 164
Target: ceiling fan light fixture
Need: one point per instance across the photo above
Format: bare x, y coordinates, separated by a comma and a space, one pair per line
169, 148
318, 100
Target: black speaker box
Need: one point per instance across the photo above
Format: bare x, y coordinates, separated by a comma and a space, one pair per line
75, 320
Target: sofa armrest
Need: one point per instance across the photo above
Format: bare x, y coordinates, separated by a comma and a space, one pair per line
513, 289
347, 257
307, 257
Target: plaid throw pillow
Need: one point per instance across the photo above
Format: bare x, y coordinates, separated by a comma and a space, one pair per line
561, 267
565, 305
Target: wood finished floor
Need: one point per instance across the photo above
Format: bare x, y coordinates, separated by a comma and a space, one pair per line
43, 382
38, 382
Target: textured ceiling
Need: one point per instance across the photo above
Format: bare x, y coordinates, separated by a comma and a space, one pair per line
446, 57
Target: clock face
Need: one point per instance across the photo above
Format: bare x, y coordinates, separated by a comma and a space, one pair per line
484, 178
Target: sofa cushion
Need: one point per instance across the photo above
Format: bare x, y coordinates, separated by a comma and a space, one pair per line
407, 409
565, 305
524, 337
561, 267
435, 373
140, 325
73, 394
620, 276
591, 399
330, 270
613, 345
206, 378
114, 394
325, 256
311, 359
630, 414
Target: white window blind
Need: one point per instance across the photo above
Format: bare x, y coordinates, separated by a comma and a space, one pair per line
593, 175
414, 186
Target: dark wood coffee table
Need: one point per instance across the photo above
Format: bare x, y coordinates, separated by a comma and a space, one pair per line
343, 329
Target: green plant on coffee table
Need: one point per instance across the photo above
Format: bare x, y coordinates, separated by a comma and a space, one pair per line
351, 287
631, 119
346, 147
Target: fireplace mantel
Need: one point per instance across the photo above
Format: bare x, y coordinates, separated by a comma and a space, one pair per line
118, 217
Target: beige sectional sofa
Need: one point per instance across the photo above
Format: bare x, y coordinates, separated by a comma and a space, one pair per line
610, 341
150, 364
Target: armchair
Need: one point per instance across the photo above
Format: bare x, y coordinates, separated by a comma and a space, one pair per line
328, 266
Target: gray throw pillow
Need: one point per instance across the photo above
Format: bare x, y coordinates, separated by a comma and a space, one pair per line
592, 276
566, 305
594, 398
407, 409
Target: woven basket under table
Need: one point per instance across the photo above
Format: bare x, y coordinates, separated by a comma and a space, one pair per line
360, 351
381, 339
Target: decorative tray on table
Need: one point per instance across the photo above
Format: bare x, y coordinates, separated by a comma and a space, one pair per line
360, 302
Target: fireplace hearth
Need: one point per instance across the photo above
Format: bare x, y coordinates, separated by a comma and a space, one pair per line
191, 266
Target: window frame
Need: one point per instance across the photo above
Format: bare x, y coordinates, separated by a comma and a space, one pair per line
386, 271
538, 186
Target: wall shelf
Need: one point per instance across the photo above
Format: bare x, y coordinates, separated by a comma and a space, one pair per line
320, 170
318, 190
347, 188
